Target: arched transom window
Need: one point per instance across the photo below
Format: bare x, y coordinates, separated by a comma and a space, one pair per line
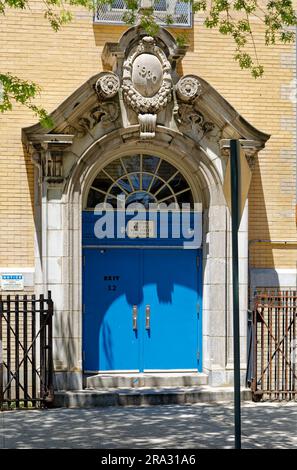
139, 178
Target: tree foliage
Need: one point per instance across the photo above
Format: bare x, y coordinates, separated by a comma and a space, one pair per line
230, 17
14, 89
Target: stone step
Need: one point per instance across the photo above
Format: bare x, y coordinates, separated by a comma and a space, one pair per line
146, 396
160, 380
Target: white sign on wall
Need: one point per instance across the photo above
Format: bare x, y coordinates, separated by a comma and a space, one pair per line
12, 282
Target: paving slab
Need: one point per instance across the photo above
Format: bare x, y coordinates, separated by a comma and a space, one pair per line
264, 425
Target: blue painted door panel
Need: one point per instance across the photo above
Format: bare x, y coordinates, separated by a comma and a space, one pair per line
111, 288
168, 280
170, 288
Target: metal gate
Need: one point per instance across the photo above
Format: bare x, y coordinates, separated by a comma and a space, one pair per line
26, 366
274, 345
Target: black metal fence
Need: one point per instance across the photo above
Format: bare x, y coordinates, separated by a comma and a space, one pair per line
26, 363
274, 343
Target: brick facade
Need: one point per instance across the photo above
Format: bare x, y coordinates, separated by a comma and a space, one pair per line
61, 62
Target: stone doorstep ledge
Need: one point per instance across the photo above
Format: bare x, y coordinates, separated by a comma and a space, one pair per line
146, 380
146, 397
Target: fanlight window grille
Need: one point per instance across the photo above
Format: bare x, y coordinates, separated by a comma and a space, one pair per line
179, 12
144, 179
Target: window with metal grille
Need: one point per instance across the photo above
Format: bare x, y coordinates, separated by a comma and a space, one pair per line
179, 12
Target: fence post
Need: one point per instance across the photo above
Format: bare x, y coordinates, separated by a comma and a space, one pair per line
17, 351
254, 335
1, 356
25, 346
50, 387
250, 349
42, 347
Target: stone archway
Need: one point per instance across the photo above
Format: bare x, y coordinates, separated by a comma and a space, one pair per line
206, 184
186, 122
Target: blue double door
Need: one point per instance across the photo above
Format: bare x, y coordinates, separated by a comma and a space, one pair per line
141, 309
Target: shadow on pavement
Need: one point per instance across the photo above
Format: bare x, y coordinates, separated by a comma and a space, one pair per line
173, 426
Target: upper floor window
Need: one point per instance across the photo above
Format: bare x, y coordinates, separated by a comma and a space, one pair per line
180, 12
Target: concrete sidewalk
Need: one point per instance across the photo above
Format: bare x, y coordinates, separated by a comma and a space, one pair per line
265, 425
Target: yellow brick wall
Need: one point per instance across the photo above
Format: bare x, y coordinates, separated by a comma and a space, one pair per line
272, 195
61, 62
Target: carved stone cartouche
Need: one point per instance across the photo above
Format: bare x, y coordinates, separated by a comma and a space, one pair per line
147, 83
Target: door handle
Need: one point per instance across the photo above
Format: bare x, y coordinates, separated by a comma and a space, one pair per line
148, 317
134, 317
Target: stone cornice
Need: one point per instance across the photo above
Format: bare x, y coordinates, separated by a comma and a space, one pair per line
251, 147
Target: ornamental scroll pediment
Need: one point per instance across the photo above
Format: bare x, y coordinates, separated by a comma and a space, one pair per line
146, 87
106, 110
188, 115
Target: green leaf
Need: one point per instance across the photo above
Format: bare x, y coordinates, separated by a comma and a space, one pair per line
199, 6
229, 17
181, 39
13, 89
257, 71
149, 24
244, 59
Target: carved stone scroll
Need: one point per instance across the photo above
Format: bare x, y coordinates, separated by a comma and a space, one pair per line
191, 119
104, 113
188, 88
108, 85
147, 123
